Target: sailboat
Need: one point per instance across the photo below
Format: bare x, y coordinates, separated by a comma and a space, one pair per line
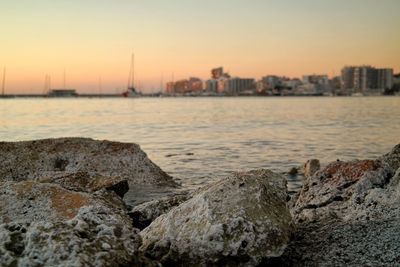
131, 91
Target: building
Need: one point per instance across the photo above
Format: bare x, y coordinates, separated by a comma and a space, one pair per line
211, 86
181, 86
269, 83
336, 85
236, 86
184, 86
195, 84
217, 73
366, 79
272, 81
218, 81
316, 79
385, 78
320, 83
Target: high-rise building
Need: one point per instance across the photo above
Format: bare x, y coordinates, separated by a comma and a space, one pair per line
212, 86
236, 86
366, 79
385, 78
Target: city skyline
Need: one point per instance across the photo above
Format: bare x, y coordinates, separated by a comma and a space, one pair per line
94, 39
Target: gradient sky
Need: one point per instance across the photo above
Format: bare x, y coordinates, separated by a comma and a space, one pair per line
250, 38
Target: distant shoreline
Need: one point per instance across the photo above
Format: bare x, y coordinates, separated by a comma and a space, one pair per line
12, 96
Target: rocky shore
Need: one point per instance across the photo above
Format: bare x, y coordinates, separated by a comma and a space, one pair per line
61, 204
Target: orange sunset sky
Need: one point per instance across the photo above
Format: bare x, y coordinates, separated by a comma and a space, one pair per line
250, 38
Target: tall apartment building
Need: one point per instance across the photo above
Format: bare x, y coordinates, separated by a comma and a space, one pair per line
366, 79
237, 85
385, 78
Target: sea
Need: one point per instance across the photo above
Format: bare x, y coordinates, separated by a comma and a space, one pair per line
198, 140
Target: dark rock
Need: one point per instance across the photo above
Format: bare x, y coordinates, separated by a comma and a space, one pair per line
144, 214
293, 171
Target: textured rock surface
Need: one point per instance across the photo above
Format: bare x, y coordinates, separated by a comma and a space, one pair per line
89, 182
29, 201
311, 167
348, 214
46, 224
144, 214
236, 221
53, 157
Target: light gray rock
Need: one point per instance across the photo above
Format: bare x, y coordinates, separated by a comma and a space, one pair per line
28, 201
56, 157
237, 221
392, 158
44, 224
339, 188
60, 202
311, 167
348, 214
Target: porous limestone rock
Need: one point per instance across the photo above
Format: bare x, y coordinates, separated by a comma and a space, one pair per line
45, 224
57, 157
236, 221
348, 214
28, 201
96, 236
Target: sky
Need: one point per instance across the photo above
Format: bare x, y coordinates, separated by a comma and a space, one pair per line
92, 40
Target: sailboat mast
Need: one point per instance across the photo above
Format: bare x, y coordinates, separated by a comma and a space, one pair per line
130, 77
133, 71
100, 87
47, 84
4, 81
64, 80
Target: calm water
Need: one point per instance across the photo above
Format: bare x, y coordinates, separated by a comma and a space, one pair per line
200, 139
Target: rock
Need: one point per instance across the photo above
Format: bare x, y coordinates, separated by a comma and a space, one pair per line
293, 171
46, 224
29, 201
144, 214
311, 167
90, 182
234, 222
56, 157
347, 214
392, 158
338, 187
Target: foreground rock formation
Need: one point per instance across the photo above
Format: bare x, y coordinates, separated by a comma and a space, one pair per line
53, 157
61, 202
61, 205
239, 220
45, 224
348, 214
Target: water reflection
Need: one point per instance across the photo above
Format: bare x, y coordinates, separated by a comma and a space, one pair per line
211, 137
